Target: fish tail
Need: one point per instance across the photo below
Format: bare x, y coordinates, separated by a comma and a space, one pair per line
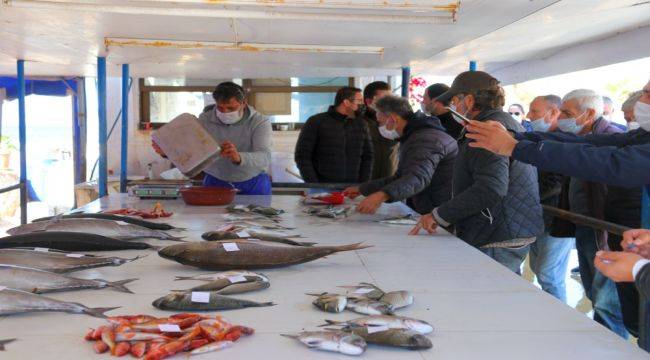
184, 278
291, 336
5, 342
119, 285
332, 322
315, 294
270, 303
99, 312
351, 247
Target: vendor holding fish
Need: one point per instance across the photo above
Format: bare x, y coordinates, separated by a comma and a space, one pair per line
426, 160
245, 139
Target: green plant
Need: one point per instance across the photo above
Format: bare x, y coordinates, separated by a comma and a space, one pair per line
6, 144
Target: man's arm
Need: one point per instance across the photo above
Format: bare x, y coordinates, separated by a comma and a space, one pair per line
367, 156
373, 186
619, 139
260, 156
626, 167
305, 146
491, 178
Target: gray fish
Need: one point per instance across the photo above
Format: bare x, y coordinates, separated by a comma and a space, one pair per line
333, 303
247, 254
400, 220
369, 307
398, 299
18, 302
335, 341
226, 287
402, 338
225, 275
39, 281
70, 241
182, 301
229, 235
57, 261
390, 321
126, 219
261, 210
5, 342
365, 290
108, 228
330, 212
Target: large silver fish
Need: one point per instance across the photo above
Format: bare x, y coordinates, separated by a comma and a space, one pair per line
230, 287
57, 261
390, 321
402, 338
183, 301
224, 275
39, 281
369, 307
18, 302
335, 341
247, 254
108, 228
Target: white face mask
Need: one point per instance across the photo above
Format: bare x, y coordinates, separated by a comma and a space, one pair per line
388, 134
642, 115
230, 117
632, 125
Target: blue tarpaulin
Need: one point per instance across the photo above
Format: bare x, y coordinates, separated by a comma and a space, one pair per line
58, 87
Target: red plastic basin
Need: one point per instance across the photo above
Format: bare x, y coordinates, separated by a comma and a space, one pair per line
207, 195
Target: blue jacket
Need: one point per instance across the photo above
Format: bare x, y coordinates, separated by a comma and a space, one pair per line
614, 159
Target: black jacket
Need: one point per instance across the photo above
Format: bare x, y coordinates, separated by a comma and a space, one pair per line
425, 169
495, 199
452, 127
335, 149
384, 151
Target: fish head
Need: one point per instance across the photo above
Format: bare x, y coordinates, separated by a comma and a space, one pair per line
172, 251
419, 341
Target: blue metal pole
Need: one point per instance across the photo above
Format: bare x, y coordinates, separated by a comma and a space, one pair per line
101, 101
645, 207
472, 65
22, 139
125, 127
406, 79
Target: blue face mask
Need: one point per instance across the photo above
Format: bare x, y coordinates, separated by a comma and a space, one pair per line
540, 125
570, 125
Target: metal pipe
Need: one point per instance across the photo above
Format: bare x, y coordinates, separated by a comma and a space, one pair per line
101, 101
226, 13
472, 65
22, 139
10, 188
406, 79
586, 220
328, 186
125, 128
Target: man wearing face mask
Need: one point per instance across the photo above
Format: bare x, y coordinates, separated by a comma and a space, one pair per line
245, 138
620, 159
495, 205
430, 105
335, 146
628, 110
384, 150
427, 154
549, 255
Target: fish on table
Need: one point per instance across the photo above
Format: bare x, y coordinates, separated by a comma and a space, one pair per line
186, 301
40, 281
247, 254
334, 341
127, 219
108, 228
369, 307
57, 261
398, 299
401, 338
225, 275
388, 321
5, 342
232, 286
17, 302
251, 234
333, 303
71, 241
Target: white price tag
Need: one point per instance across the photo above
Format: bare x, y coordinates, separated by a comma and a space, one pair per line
41, 249
200, 297
363, 290
169, 328
237, 279
243, 234
230, 247
376, 329
75, 255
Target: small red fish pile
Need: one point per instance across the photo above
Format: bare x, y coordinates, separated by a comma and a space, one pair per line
158, 338
158, 211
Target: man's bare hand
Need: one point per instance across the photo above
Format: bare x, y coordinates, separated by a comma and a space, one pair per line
229, 151
637, 241
492, 136
616, 265
427, 222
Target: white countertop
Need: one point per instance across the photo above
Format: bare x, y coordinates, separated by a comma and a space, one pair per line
478, 308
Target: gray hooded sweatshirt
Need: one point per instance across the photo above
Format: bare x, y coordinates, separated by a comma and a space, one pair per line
252, 137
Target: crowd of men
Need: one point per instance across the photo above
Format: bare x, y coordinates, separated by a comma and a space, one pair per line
465, 164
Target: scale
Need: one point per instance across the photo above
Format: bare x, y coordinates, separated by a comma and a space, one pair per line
156, 191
